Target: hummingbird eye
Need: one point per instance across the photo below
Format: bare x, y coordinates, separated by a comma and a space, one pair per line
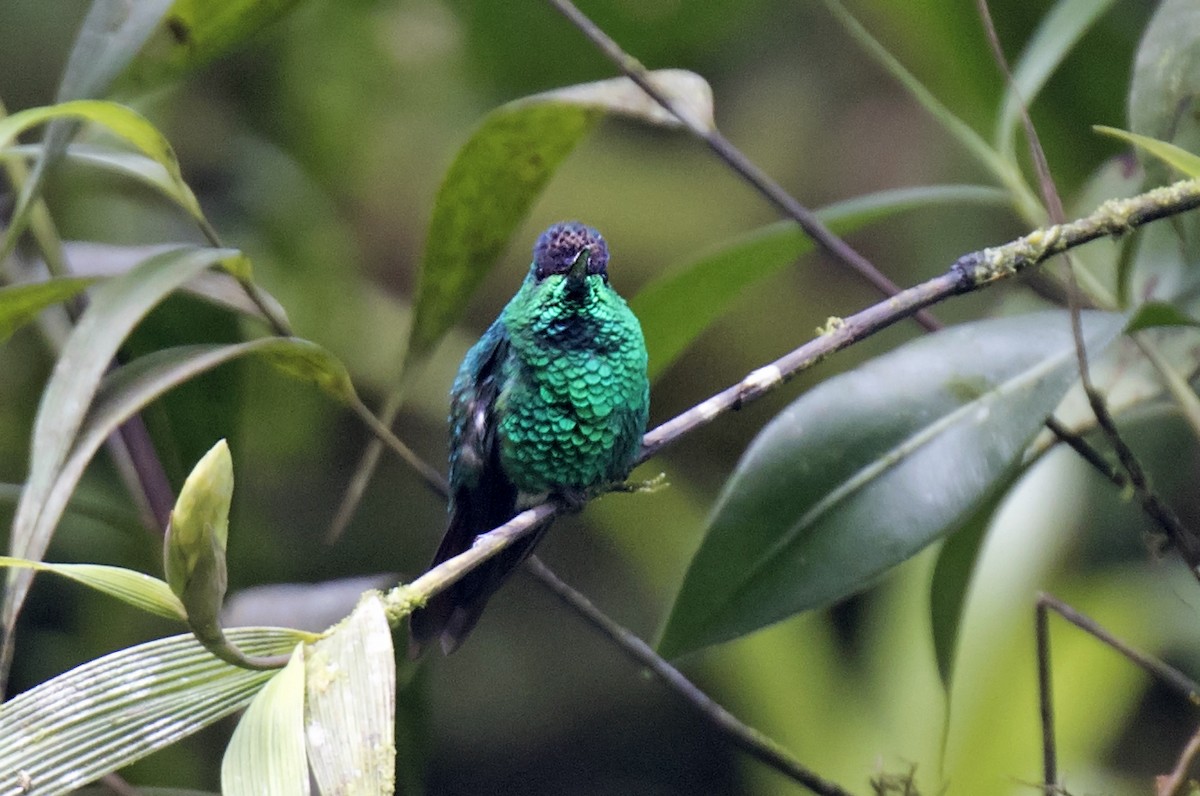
560, 246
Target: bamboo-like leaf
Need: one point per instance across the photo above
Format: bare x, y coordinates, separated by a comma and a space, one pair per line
20, 304
130, 388
351, 718
129, 586
265, 756
678, 306
513, 154
869, 467
112, 32
1175, 157
105, 714
116, 307
122, 121
1057, 33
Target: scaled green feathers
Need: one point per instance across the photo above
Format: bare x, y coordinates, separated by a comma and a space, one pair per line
552, 400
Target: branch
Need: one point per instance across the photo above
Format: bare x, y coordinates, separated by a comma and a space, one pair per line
744, 737
726, 151
971, 272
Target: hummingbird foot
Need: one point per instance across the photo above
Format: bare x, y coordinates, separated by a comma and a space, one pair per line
649, 487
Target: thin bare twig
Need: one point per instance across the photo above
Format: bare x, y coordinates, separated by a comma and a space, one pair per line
1172, 784
744, 737
726, 151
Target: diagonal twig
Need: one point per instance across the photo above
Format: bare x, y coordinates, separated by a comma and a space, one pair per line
744, 737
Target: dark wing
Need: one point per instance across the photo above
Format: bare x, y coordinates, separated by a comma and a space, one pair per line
481, 499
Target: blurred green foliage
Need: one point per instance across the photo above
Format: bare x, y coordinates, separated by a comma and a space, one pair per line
318, 147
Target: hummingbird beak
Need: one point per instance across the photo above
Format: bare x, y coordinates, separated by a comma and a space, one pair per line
579, 269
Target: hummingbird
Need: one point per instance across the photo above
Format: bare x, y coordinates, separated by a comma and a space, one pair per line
552, 401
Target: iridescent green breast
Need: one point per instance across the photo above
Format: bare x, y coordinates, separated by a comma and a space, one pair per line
575, 402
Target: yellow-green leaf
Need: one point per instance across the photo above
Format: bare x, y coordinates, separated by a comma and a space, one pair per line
351, 718
1179, 159
129, 586
265, 756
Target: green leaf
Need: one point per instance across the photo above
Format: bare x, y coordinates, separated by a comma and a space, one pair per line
265, 756
351, 719
102, 716
127, 585
195, 33
1179, 159
112, 32
1155, 314
502, 169
20, 304
1166, 72
869, 467
120, 120
111, 35
128, 389
1004, 171
1054, 38
952, 580
675, 308
116, 307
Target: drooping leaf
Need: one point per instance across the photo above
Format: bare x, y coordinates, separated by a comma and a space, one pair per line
869, 467
265, 756
195, 33
502, 169
127, 585
116, 307
952, 580
20, 304
1173, 156
351, 716
112, 33
131, 387
1057, 33
120, 120
105, 714
675, 308
488, 190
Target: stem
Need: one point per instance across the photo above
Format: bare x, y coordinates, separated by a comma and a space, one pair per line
726, 151
744, 737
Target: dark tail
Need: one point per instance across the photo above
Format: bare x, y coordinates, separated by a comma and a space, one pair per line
451, 615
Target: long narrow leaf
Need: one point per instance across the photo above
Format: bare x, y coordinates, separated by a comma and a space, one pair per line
1180, 159
675, 308
124, 122
104, 715
513, 154
127, 585
20, 304
871, 466
265, 756
352, 706
116, 307
1053, 40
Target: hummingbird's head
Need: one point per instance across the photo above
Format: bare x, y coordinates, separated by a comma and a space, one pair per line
570, 249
